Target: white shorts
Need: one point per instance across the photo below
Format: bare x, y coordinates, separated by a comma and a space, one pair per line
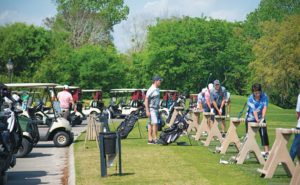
153, 116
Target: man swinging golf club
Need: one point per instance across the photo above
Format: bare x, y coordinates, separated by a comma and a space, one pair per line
152, 105
217, 96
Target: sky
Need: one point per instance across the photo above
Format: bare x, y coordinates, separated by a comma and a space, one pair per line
141, 13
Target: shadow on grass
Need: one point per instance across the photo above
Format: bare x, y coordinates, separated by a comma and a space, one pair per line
123, 174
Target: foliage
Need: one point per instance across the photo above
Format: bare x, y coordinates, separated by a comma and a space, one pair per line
188, 49
277, 62
25, 45
88, 21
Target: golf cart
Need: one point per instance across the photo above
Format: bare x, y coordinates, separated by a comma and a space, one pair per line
167, 101
29, 128
54, 127
122, 108
193, 101
96, 106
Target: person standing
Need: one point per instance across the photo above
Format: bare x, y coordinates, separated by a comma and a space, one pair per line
201, 102
64, 97
152, 105
296, 143
256, 112
25, 99
217, 96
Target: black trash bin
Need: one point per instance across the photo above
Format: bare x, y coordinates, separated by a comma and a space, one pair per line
109, 141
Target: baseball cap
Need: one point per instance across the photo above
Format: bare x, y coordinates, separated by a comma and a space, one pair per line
210, 86
156, 78
204, 90
217, 82
66, 87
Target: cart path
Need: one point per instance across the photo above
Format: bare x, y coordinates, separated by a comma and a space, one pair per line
44, 165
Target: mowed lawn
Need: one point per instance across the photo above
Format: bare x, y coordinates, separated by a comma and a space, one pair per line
196, 164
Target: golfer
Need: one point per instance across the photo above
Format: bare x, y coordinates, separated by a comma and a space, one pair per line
64, 97
257, 108
296, 143
152, 105
217, 96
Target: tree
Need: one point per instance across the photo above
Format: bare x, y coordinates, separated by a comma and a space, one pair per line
277, 62
26, 46
88, 21
185, 50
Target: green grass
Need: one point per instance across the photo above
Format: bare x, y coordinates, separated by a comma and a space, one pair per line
196, 164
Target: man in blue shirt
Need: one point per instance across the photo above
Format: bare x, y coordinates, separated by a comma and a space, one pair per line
257, 108
296, 143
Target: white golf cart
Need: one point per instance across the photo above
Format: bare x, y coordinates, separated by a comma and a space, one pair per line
122, 108
53, 127
95, 106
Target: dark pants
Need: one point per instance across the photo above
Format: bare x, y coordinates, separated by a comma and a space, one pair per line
295, 148
262, 132
216, 112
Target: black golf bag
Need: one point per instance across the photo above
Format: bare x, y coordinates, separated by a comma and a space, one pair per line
127, 125
74, 119
171, 134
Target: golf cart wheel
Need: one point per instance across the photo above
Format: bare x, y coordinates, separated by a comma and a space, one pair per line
25, 148
61, 139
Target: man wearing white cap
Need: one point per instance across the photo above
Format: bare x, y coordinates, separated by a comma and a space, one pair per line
64, 97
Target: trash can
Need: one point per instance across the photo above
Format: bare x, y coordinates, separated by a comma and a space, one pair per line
109, 141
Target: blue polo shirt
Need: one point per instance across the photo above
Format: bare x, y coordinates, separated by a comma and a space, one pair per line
201, 98
258, 106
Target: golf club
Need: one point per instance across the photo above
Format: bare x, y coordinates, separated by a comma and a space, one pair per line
208, 79
242, 111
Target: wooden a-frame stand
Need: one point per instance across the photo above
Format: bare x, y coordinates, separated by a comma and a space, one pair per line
204, 126
214, 131
177, 110
231, 136
250, 144
280, 154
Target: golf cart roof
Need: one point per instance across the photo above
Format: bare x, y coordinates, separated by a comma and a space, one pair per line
125, 90
168, 90
91, 90
32, 85
70, 87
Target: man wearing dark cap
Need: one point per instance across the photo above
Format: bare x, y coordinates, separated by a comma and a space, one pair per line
152, 105
217, 96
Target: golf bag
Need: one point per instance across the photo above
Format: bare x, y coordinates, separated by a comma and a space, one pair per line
127, 125
180, 101
74, 119
171, 134
10, 132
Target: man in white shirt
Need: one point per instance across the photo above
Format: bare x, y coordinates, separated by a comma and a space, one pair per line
152, 105
64, 97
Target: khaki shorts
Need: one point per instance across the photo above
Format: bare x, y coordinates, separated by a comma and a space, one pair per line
153, 116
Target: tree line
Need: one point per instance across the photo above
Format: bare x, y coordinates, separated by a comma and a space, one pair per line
77, 48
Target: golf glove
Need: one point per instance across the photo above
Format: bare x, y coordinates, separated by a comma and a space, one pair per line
228, 116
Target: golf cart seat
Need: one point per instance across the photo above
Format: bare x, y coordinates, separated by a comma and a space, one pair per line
96, 104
